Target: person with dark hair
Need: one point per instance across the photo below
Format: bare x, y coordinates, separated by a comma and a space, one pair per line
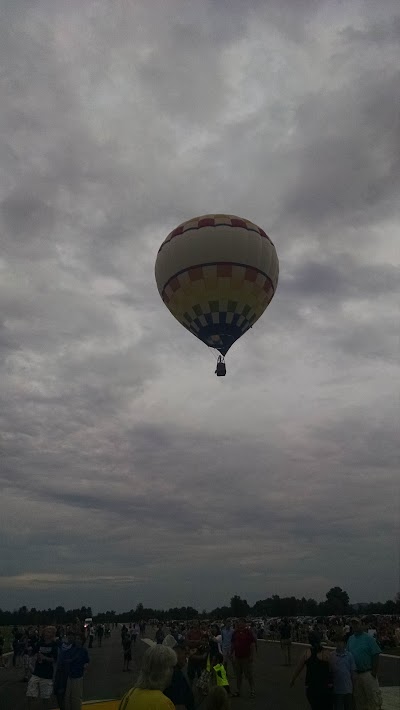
61, 674
215, 640
2, 662
135, 631
160, 636
127, 648
226, 643
218, 671
179, 691
285, 634
78, 665
100, 634
91, 635
72, 664
198, 651
243, 649
343, 669
16, 647
319, 684
40, 684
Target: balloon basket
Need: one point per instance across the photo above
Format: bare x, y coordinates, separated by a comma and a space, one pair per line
221, 367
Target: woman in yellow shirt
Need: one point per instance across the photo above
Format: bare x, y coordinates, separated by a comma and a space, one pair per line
154, 677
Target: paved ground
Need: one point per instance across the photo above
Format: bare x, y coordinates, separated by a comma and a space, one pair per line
105, 679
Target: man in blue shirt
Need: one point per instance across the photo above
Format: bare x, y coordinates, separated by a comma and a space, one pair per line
62, 668
343, 669
74, 661
226, 644
365, 650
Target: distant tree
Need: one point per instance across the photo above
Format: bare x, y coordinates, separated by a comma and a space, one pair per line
275, 605
397, 602
337, 601
191, 613
221, 612
239, 607
311, 607
390, 607
59, 613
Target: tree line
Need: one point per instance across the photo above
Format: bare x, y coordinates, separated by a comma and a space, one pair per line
337, 602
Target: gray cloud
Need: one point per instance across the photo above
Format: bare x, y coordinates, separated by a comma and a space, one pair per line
127, 470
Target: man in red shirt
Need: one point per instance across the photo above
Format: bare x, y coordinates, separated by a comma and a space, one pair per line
197, 651
243, 649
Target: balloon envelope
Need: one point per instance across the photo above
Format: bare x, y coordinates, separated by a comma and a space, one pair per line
217, 274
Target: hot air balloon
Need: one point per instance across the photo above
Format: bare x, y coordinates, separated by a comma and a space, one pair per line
217, 274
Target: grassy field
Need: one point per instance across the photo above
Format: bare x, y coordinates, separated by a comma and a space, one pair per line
5, 631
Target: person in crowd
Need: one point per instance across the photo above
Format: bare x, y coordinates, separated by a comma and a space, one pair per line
175, 632
78, 663
343, 671
285, 636
214, 640
218, 671
365, 650
135, 631
127, 649
347, 632
91, 635
243, 651
156, 673
16, 647
226, 644
198, 651
179, 691
28, 652
372, 631
253, 629
100, 634
61, 674
160, 634
319, 684
40, 684
3, 664
21, 648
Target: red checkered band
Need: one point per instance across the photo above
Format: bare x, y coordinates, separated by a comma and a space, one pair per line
224, 269
200, 222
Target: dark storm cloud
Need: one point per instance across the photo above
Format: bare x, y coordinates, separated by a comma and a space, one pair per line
342, 278
23, 212
124, 463
383, 32
350, 172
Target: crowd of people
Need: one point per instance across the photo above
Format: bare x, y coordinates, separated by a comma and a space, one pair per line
98, 631
344, 677
385, 629
198, 661
53, 661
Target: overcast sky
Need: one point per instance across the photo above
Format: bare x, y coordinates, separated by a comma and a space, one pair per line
130, 473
